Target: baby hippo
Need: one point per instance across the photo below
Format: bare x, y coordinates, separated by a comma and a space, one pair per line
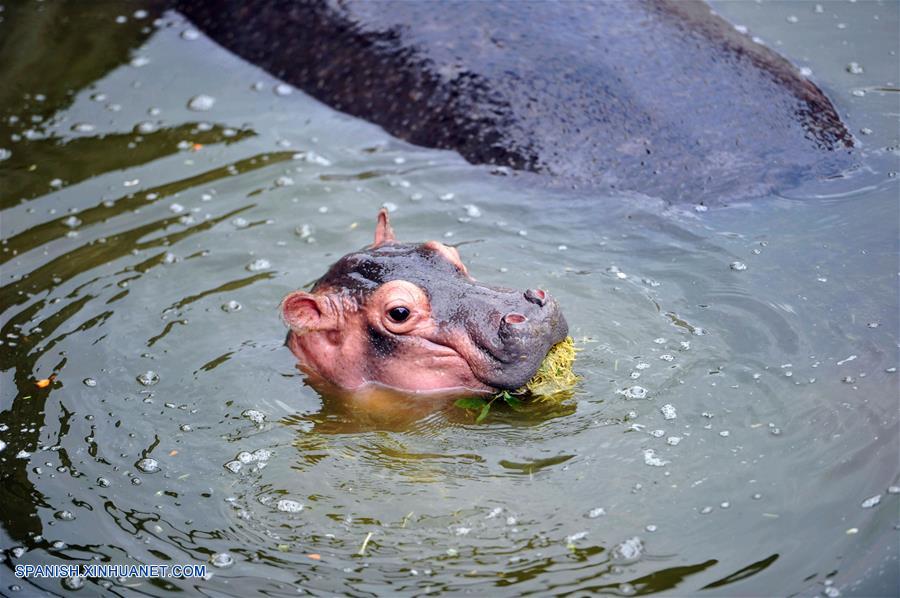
408, 316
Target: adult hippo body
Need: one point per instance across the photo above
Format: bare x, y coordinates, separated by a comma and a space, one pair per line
659, 97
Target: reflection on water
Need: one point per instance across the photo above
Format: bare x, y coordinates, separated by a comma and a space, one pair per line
735, 432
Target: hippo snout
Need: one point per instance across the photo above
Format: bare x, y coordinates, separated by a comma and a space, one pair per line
538, 319
526, 334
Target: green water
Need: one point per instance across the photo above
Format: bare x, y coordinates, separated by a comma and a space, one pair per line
131, 224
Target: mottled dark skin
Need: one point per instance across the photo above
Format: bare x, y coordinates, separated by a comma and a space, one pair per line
456, 335
654, 96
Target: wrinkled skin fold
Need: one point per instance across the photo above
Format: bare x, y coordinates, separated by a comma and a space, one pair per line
408, 316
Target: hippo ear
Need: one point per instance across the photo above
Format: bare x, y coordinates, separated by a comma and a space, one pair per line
307, 312
383, 231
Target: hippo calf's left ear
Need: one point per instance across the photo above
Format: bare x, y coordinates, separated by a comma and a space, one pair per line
383, 231
308, 312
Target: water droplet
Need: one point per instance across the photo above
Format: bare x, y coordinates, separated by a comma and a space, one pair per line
190, 35
148, 465
871, 501
148, 378
628, 551
635, 392
64, 515
201, 103
854, 68
103, 482
738, 266
472, 210
221, 560
186, 428
652, 460
73, 583
259, 264
261, 454
668, 411
72, 222
283, 89
90, 382
286, 505
257, 417
146, 127
234, 466
231, 306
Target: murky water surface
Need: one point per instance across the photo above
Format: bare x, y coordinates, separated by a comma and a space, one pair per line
736, 430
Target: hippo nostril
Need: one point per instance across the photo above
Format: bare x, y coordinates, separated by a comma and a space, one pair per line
514, 318
536, 296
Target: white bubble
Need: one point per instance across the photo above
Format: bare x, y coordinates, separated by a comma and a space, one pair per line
652, 460
201, 103
148, 465
221, 560
871, 501
283, 89
259, 264
287, 505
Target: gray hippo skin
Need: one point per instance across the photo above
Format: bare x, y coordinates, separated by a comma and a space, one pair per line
663, 98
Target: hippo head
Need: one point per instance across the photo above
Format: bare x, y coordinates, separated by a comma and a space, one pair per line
408, 316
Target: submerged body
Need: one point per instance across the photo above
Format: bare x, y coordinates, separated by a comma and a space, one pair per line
658, 97
409, 317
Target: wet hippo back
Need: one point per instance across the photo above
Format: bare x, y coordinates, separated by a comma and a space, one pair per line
659, 97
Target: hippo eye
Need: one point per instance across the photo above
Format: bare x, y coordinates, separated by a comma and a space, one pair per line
398, 314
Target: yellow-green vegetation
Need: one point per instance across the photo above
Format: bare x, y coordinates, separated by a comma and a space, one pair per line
555, 380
